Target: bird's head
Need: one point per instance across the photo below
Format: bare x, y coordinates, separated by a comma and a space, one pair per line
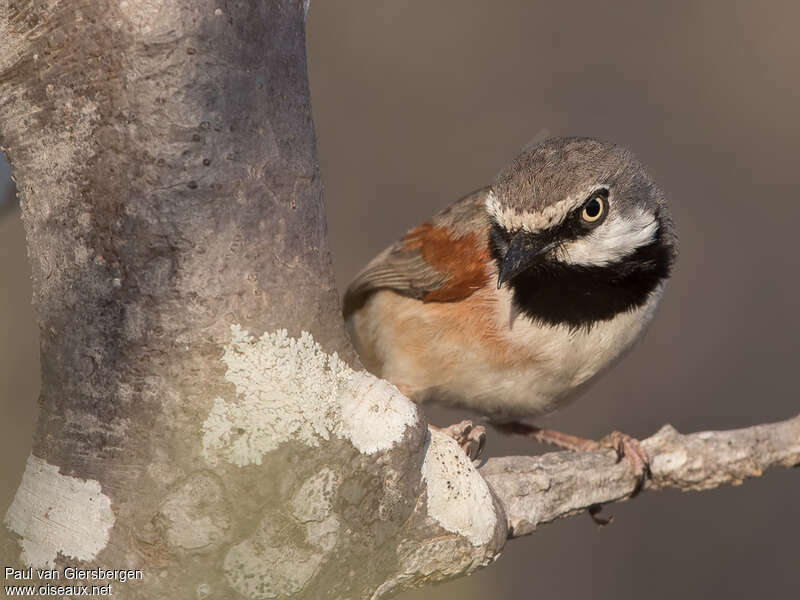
579, 231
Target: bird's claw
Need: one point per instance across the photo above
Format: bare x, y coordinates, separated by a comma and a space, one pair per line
629, 448
471, 438
594, 513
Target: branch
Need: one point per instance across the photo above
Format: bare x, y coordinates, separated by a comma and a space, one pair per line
539, 489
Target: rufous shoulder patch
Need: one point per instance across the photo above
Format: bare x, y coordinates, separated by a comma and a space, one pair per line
463, 259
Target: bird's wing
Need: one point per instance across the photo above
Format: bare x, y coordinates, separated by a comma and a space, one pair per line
442, 260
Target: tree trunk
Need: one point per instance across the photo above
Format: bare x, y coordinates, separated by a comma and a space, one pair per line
195, 422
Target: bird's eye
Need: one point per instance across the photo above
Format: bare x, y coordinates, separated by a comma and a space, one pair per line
595, 208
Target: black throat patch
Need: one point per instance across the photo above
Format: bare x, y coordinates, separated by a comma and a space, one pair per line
559, 293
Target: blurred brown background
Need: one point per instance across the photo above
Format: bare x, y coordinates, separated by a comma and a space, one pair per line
417, 103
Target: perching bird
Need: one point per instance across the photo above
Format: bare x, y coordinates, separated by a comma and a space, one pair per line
512, 299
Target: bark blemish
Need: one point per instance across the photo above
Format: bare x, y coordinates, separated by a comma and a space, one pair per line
286, 551
280, 558
152, 18
375, 414
290, 389
57, 514
314, 499
196, 514
458, 497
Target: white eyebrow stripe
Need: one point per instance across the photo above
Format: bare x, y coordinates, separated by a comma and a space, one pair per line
532, 222
618, 237
511, 220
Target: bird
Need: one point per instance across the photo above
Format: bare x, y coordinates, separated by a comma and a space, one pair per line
512, 300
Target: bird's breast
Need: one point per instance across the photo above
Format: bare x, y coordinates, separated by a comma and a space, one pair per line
563, 358
483, 354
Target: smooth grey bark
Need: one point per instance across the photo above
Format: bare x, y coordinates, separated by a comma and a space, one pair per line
164, 154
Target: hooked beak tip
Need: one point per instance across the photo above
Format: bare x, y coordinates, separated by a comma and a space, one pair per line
520, 256
501, 280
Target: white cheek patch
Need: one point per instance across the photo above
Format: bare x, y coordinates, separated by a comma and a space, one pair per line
619, 236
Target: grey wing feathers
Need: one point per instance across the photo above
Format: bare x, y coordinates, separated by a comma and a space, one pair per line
398, 269
403, 269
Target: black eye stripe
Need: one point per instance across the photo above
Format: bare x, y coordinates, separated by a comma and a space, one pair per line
579, 296
570, 228
498, 240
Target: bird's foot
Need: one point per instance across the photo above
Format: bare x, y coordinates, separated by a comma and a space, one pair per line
471, 438
629, 448
624, 445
